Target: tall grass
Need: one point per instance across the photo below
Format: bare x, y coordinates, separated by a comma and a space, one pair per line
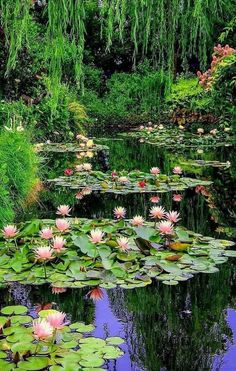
18, 173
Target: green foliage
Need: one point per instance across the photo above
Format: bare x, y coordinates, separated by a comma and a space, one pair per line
6, 206
184, 88
127, 96
224, 86
59, 124
157, 30
18, 164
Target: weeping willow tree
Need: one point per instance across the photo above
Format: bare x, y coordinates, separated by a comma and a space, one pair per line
162, 30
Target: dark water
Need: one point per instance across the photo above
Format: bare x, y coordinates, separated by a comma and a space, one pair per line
191, 326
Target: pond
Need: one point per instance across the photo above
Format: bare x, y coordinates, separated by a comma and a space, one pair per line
192, 325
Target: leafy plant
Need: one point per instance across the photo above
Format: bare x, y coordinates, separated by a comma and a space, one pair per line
18, 164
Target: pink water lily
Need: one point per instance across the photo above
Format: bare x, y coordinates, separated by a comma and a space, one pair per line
165, 227
62, 224
137, 221
96, 294
56, 320
123, 243
177, 170
79, 196
177, 197
86, 191
79, 168
155, 199
58, 290
42, 329
59, 243
157, 212
46, 233
119, 212
155, 170
96, 236
9, 231
63, 210
44, 253
172, 216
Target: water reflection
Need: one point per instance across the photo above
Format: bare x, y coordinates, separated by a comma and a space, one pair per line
189, 326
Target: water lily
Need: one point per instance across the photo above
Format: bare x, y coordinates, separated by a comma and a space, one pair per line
86, 191
89, 143
59, 243
58, 290
42, 329
123, 243
157, 212
114, 174
96, 294
96, 236
68, 172
56, 320
89, 154
63, 210
142, 183
9, 231
177, 197
172, 216
165, 227
46, 233
177, 170
123, 179
213, 131
62, 225
119, 212
155, 170
79, 168
155, 199
79, 196
44, 253
87, 167
137, 221
200, 131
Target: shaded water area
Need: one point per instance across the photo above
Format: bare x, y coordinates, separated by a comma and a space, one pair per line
189, 326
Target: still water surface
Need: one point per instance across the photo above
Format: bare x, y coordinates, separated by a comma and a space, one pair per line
191, 326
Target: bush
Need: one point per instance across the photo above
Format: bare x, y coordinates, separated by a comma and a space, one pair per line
18, 166
60, 124
127, 96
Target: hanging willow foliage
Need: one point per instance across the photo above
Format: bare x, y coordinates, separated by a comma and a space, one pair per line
162, 30
163, 27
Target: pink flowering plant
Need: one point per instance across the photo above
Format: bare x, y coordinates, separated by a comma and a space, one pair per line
73, 252
39, 343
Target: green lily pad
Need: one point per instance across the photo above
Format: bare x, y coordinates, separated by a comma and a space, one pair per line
14, 309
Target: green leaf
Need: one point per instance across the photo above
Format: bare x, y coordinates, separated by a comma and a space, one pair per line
145, 232
34, 363
85, 245
14, 309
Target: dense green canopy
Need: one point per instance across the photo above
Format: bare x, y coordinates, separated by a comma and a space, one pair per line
157, 29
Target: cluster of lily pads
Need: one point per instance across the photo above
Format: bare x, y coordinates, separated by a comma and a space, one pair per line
87, 146
71, 252
51, 342
127, 182
175, 137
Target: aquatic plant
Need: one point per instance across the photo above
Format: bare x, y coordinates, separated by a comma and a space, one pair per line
50, 342
106, 253
125, 182
172, 136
